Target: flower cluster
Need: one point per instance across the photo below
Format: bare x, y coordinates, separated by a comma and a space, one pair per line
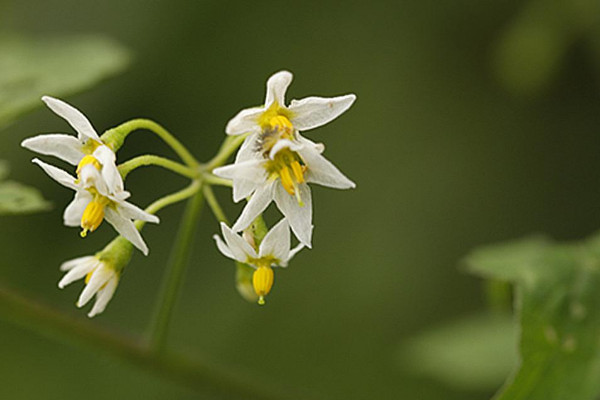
276, 163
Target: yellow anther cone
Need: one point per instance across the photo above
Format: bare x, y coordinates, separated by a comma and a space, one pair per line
262, 280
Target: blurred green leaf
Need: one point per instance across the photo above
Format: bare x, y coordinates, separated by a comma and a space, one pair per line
558, 306
57, 66
16, 198
474, 353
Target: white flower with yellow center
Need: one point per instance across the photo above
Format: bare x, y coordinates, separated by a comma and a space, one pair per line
275, 162
274, 250
93, 203
101, 280
86, 148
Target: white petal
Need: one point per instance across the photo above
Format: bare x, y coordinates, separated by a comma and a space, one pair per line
104, 295
57, 174
126, 228
276, 242
74, 211
312, 112
283, 144
100, 276
79, 271
293, 252
242, 189
299, 218
70, 264
252, 170
89, 176
240, 249
110, 173
223, 248
245, 121
277, 86
248, 150
65, 147
319, 170
258, 203
73, 116
132, 211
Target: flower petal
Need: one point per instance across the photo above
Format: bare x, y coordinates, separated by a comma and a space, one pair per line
245, 121
57, 174
276, 242
299, 218
73, 116
319, 170
252, 170
70, 264
259, 201
103, 296
126, 228
223, 248
277, 86
101, 275
74, 211
132, 211
109, 171
83, 267
293, 252
240, 249
312, 112
283, 144
65, 147
248, 150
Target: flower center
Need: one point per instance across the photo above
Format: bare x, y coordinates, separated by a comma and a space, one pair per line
262, 280
287, 165
93, 215
87, 160
275, 124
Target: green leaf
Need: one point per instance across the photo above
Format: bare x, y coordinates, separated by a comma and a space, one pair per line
474, 353
56, 66
557, 289
16, 198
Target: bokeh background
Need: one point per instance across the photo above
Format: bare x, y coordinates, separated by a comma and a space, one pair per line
476, 122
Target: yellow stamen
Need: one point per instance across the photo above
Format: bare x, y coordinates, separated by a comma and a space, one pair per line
281, 124
86, 160
298, 171
92, 216
286, 180
262, 280
89, 276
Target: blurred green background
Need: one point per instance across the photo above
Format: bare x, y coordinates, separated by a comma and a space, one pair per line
476, 121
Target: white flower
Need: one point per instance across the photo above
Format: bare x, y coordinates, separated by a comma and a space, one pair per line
274, 250
93, 203
87, 147
275, 162
101, 279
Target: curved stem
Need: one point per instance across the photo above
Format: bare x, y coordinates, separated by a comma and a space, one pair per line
214, 205
115, 137
174, 273
157, 205
150, 159
215, 180
230, 145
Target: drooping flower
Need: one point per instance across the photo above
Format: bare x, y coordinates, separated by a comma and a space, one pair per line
86, 148
93, 203
274, 250
276, 162
101, 272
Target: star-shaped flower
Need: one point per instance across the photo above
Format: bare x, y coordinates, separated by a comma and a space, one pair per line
101, 279
274, 250
87, 147
275, 162
93, 203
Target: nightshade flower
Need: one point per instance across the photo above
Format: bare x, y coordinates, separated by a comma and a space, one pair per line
274, 250
93, 203
275, 162
86, 148
101, 280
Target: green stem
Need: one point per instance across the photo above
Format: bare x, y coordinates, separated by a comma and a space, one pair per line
214, 205
174, 273
116, 136
157, 205
150, 159
55, 325
229, 146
